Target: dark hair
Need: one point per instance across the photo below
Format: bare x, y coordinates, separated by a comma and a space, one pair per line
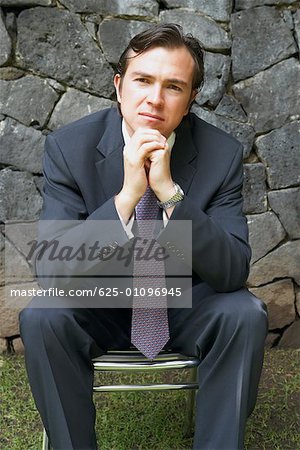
169, 35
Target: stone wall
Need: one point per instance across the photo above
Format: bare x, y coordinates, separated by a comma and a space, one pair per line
56, 65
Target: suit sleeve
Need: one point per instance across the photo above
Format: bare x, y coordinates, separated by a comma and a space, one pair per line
66, 228
220, 254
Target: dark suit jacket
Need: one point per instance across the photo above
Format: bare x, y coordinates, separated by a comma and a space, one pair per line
83, 170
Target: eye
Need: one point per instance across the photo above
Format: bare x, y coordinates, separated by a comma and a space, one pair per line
142, 80
175, 88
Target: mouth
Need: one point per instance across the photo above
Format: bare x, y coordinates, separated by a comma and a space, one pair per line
150, 116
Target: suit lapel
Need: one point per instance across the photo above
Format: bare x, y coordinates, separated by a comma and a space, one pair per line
183, 157
110, 166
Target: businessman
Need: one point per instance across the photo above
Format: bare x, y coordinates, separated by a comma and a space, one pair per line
119, 165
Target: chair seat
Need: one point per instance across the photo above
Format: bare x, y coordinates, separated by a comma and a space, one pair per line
134, 360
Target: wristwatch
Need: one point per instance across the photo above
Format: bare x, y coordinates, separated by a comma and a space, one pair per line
177, 197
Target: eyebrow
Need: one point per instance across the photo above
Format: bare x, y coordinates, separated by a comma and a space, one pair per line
169, 80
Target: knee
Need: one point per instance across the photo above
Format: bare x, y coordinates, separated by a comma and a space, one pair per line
243, 311
253, 311
36, 322
29, 321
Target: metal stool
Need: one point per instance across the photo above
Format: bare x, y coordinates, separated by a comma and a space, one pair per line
133, 360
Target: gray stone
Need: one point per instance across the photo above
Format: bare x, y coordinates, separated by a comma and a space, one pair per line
5, 42
298, 300
58, 87
11, 25
17, 346
283, 262
279, 151
261, 38
91, 29
39, 182
19, 198
291, 337
94, 18
21, 234
75, 104
59, 36
296, 18
26, 2
21, 99
3, 346
254, 190
13, 299
288, 18
268, 99
17, 269
11, 305
241, 131
230, 107
114, 35
216, 70
212, 35
20, 146
2, 260
265, 232
279, 298
246, 4
10, 73
217, 9
286, 204
145, 9
271, 340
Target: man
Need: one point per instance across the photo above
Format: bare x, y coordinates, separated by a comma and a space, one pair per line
100, 168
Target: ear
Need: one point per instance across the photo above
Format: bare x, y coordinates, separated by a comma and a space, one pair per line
192, 98
118, 85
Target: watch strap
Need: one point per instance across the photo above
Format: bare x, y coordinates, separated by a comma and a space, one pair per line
177, 197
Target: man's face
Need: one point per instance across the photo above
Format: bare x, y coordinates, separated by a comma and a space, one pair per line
156, 90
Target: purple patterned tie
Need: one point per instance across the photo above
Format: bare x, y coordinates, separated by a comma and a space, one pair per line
149, 328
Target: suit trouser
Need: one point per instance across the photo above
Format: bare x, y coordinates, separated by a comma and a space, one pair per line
225, 330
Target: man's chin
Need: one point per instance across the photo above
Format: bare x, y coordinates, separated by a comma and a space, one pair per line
153, 126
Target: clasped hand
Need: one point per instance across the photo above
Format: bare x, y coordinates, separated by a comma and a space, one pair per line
146, 162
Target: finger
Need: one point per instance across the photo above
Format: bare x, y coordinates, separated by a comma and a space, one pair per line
156, 154
137, 158
148, 147
146, 134
152, 131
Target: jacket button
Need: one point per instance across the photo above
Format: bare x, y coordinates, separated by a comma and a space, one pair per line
104, 252
113, 245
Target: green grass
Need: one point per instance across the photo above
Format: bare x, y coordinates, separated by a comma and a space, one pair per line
147, 420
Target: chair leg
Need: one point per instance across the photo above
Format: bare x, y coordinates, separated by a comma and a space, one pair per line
46, 443
190, 406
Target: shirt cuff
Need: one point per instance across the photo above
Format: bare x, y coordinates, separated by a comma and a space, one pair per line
127, 227
165, 218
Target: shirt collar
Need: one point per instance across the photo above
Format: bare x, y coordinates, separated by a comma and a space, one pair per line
170, 140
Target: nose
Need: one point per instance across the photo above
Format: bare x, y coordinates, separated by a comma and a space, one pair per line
155, 95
